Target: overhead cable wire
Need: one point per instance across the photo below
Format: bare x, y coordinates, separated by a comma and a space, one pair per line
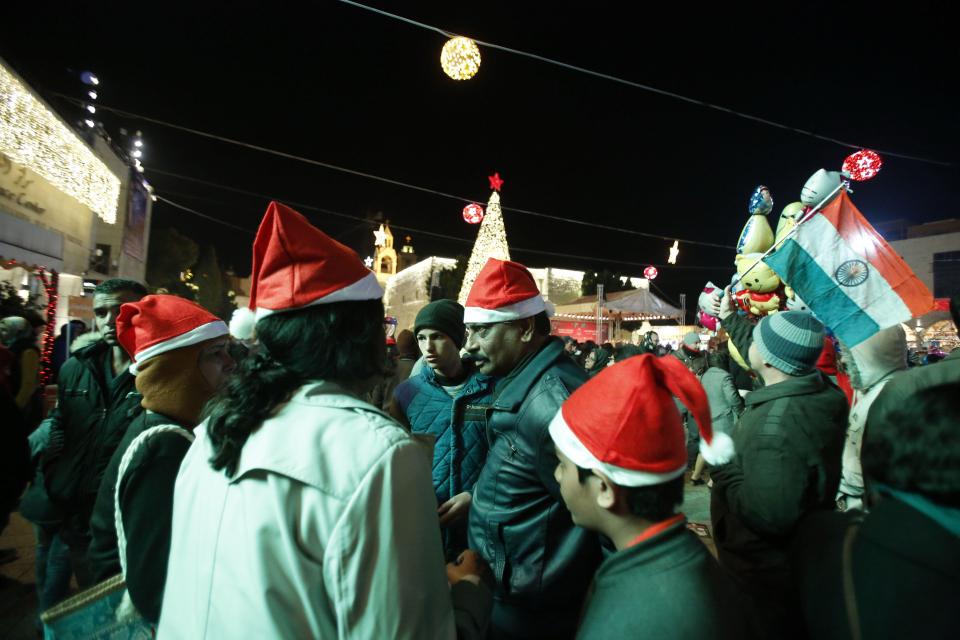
438, 235
649, 88
363, 174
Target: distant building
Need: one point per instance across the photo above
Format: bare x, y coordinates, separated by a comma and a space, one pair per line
65, 205
933, 252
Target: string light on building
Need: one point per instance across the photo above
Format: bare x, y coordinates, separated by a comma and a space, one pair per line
460, 58
31, 135
50, 286
91, 109
92, 94
90, 78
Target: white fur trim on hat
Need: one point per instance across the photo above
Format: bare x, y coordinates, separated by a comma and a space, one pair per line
366, 288
242, 323
516, 311
204, 332
571, 447
719, 451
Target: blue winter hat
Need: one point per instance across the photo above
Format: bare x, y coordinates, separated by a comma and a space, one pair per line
790, 341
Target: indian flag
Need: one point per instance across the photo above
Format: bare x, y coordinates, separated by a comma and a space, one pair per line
848, 275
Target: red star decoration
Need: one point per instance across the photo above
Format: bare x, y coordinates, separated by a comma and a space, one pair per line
495, 181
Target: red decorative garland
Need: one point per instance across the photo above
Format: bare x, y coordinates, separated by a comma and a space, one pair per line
50, 285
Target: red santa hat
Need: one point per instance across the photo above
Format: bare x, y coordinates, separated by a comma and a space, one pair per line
295, 265
503, 291
160, 323
624, 423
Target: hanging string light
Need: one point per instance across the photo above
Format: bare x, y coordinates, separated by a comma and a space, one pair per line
473, 213
863, 165
674, 251
460, 58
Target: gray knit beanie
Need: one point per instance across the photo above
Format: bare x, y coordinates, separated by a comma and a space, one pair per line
445, 316
790, 341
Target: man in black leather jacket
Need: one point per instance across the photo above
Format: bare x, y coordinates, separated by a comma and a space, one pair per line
541, 561
96, 400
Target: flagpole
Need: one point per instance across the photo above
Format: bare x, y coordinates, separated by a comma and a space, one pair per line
789, 235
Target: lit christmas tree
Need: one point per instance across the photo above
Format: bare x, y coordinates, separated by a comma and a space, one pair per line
491, 240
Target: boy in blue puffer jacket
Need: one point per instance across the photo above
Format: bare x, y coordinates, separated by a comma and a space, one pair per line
447, 399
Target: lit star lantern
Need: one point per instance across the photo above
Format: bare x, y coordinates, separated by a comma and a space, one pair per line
863, 165
650, 273
368, 262
379, 237
495, 181
460, 58
473, 213
674, 251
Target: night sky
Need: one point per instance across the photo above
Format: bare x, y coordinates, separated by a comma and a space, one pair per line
352, 88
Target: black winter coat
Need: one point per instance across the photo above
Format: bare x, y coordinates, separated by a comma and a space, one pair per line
542, 563
93, 415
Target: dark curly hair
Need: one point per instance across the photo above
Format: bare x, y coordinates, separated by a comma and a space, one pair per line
341, 342
916, 446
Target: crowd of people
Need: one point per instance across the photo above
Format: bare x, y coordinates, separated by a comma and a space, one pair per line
489, 480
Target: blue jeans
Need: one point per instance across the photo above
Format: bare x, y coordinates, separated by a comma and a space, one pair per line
54, 568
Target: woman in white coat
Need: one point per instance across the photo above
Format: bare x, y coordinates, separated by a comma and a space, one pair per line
302, 511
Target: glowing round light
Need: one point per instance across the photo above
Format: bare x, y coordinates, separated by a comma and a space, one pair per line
138, 143
90, 123
650, 272
92, 94
460, 58
138, 153
863, 165
473, 213
91, 108
89, 78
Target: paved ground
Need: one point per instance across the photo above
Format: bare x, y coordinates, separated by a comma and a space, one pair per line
18, 599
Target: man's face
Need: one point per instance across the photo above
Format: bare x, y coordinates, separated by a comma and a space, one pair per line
570, 347
590, 360
106, 308
12, 328
439, 350
498, 347
579, 497
216, 363
654, 339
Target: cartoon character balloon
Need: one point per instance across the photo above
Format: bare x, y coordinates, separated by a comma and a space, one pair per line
705, 303
789, 217
757, 234
761, 291
819, 186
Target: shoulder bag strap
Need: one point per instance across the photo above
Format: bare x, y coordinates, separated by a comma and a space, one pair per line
138, 443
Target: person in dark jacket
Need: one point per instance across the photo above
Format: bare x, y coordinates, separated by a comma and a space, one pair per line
14, 449
180, 357
448, 399
597, 361
541, 562
69, 332
691, 355
891, 573
622, 457
789, 441
24, 379
96, 400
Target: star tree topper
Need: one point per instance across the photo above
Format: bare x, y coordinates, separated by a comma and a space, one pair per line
495, 181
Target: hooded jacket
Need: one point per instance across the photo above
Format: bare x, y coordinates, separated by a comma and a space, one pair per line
870, 365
